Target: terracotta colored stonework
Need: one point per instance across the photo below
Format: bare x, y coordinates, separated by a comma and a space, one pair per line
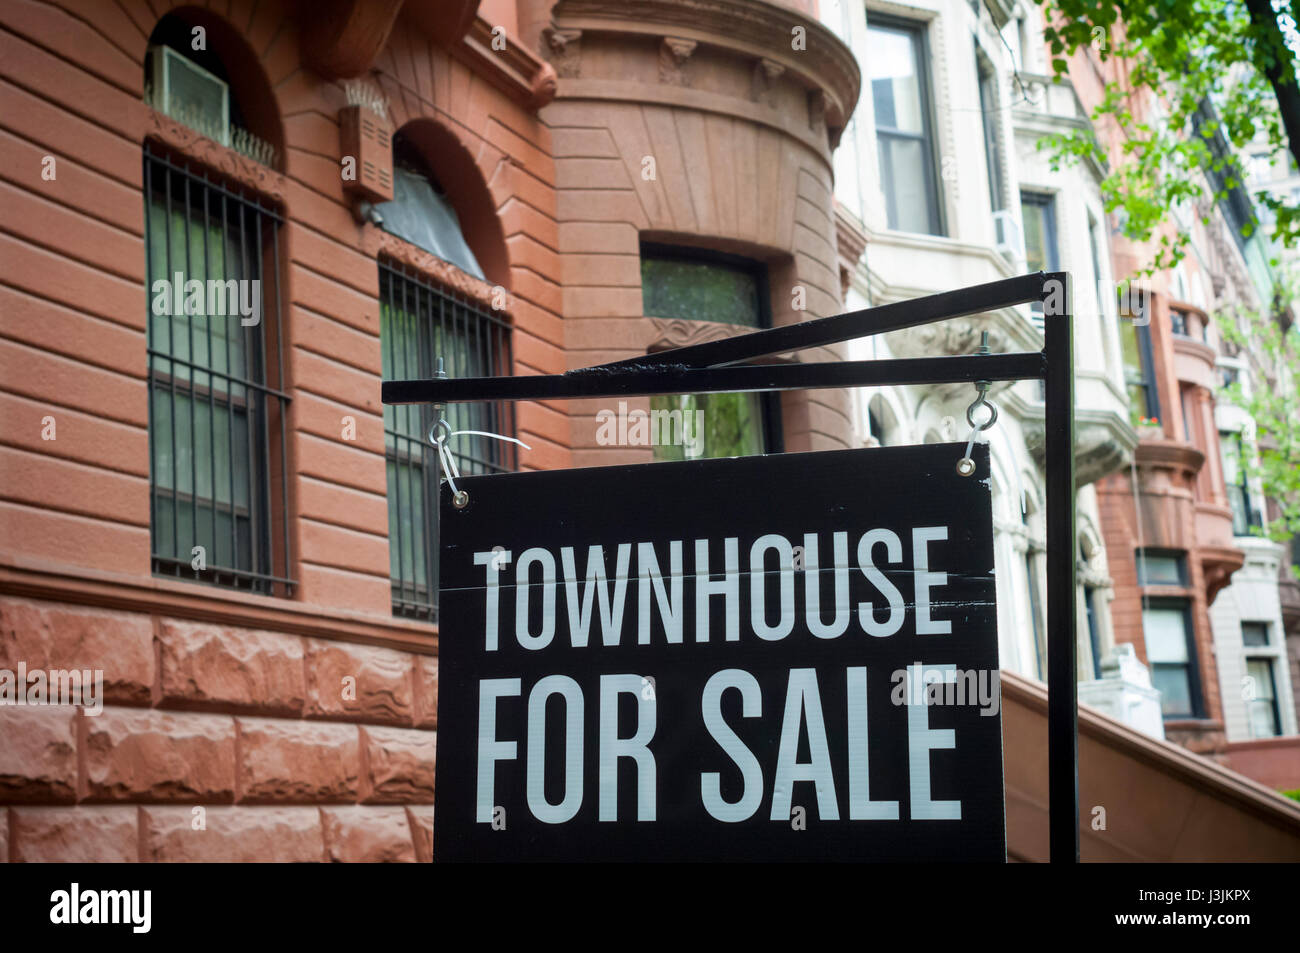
367, 834
74, 835
220, 668
159, 756
38, 760
296, 762
359, 683
400, 765
231, 835
47, 636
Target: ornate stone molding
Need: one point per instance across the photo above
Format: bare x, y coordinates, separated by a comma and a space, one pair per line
565, 47
668, 333
194, 145
673, 54
1102, 445
762, 87
1218, 563
379, 243
515, 70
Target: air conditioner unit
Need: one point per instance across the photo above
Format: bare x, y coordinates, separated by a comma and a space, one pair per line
190, 94
1006, 236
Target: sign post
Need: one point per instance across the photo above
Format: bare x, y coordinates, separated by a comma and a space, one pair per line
529, 743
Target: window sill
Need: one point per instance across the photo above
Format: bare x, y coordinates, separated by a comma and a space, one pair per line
40, 579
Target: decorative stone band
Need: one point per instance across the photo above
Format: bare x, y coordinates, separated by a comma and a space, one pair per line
193, 144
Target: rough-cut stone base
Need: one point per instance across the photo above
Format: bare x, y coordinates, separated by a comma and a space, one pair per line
193, 769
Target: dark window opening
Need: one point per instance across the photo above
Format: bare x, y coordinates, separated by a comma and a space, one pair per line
698, 285
1139, 367
1171, 652
898, 62
217, 430
421, 212
1261, 699
1161, 568
988, 90
1246, 517
418, 324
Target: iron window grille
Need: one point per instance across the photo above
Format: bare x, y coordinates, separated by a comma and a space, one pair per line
217, 441
419, 323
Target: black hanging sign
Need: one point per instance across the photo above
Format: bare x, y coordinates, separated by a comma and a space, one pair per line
788, 657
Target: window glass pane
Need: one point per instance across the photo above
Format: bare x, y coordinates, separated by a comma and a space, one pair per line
895, 88
713, 425
699, 291
1166, 635
992, 145
1157, 569
1254, 633
907, 191
1175, 689
1040, 237
418, 325
208, 411
1262, 709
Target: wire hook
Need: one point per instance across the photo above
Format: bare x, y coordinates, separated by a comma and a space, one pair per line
966, 465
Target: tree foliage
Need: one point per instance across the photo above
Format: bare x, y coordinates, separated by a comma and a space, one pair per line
1188, 53
1200, 81
1272, 400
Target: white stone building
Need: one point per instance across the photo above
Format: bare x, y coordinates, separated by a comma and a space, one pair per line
940, 174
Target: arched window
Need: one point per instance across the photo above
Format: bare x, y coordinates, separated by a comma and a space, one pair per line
216, 403
425, 328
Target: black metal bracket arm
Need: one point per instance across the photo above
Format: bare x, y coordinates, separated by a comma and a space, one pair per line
711, 368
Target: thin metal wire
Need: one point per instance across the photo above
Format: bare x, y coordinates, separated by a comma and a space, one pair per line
471, 341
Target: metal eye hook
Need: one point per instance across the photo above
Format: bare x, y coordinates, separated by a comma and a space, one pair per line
982, 400
966, 465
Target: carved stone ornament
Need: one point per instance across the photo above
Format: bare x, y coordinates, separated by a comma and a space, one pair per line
214, 155
673, 54
762, 87
668, 333
957, 337
545, 86
381, 244
564, 49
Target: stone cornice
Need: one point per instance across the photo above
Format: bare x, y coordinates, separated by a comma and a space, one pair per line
754, 28
1169, 455
514, 69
